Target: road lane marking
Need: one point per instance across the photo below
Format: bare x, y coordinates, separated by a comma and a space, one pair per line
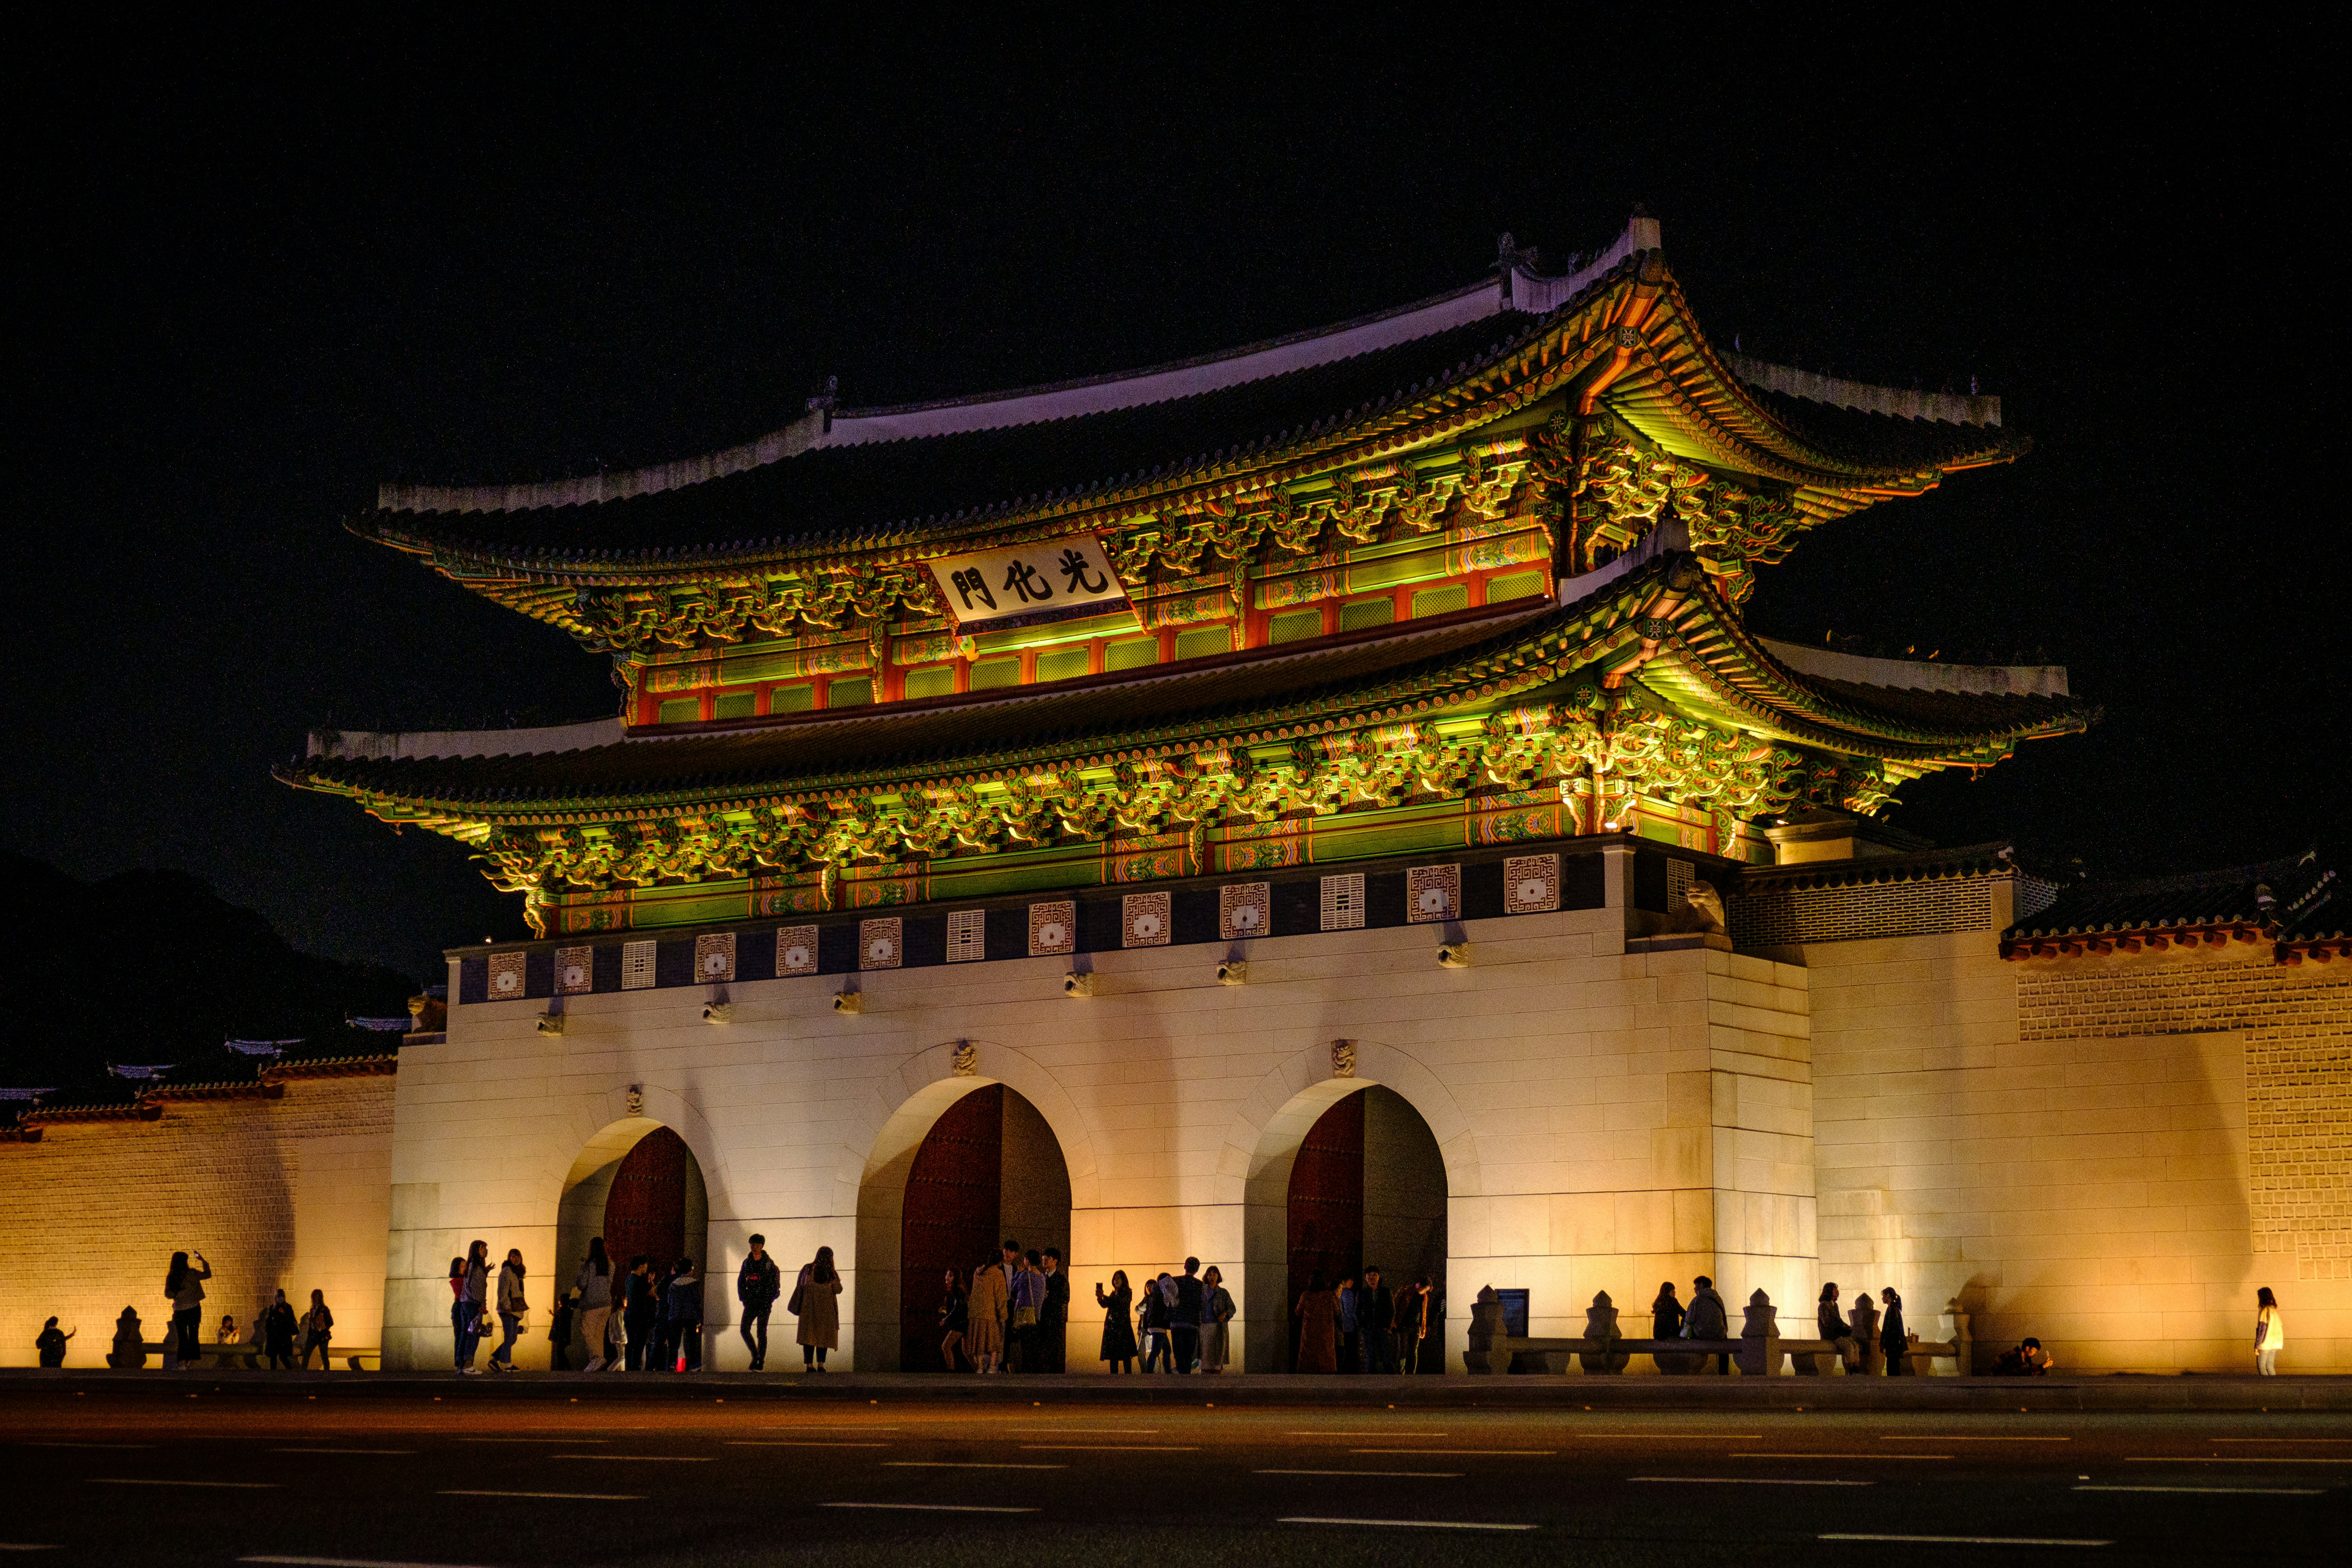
28, 1444
960, 1465
338, 1451
641, 1459
2279, 1439
1423, 1475
2245, 1492
810, 1443
1880, 1459
575, 1441
1752, 1481
1973, 1540
1514, 1453
1085, 1431
1894, 1437
348, 1563
1405, 1524
1368, 1433
932, 1506
29, 1546
1718, 1436
1112, 1448
143, 1481
569, 1497
2230, 1460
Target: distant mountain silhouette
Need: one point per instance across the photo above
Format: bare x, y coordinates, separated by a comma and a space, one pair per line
154, 966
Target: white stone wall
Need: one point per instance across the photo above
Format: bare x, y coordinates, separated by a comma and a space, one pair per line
2084, 1174
1588, 1104
277, 1194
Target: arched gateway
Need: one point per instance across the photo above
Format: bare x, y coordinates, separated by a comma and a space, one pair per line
638, 1185
963, 1165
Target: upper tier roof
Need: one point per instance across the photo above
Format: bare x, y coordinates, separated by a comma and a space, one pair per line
1467, 662
848, 480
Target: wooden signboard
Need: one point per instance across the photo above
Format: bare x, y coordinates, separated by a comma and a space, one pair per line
1029, 584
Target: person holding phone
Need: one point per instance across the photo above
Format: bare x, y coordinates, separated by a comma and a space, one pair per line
184, 1283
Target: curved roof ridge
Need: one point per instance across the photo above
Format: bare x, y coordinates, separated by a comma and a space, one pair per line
1921, 675
1809, 387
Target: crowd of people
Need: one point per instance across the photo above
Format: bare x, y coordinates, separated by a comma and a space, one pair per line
1012, 1315
1361, 1325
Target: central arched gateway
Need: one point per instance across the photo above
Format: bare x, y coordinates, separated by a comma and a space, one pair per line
1364, 1184
985, 1166
638, 1185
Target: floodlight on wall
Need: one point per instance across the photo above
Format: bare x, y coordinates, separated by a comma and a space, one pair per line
1074, 984
1233, 971
718, 1012
849, 1001
1453, 955
550, 1023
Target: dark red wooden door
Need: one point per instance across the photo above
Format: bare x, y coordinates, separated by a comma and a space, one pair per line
953, 1193
1326, 1204
646, 1211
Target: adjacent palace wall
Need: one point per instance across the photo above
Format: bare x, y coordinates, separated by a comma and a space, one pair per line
2110, 1152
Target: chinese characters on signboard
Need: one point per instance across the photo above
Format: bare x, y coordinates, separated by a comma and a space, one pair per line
1029, 584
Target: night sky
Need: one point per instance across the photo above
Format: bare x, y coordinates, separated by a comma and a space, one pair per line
258, 275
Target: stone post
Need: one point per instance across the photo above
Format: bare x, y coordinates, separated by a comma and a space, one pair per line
1485, 1327
1964, 1358
1600, 1326
1759, 1339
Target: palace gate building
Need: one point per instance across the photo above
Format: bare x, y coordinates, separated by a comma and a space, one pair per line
1306, 807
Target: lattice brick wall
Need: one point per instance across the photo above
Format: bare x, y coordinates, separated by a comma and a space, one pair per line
1851, 914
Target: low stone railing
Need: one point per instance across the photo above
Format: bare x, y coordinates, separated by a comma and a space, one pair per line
1759, 1352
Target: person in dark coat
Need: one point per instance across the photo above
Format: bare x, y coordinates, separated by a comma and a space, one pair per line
1375, 1318
640, 1307
51, 1344
1184, 1318
757, 1285
1054, 1317
280, 1333
1153, 1321
1119, 1333
955, 1315
1667, 1314
1892, 1342
559, 1331
1830, 1324
682, 1309
1707, 1320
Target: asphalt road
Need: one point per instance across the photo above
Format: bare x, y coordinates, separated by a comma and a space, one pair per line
167, 1478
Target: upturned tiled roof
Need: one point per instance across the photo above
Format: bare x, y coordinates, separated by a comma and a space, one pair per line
2291, 898
1989, 860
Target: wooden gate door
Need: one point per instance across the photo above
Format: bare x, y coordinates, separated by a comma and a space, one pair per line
646, 1211
953, 1198
1326, 1206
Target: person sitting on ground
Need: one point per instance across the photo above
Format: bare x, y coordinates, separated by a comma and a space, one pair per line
51, 1344
128, 1352
228, 1329
2027, 1359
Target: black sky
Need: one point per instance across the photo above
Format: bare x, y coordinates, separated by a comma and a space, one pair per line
259, 274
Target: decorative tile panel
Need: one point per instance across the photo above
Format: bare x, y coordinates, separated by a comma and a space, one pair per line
1530, 884
881, 944
1052, 929
1343, 901
637, 965
1244, 910
1145, 921
1433, 893
714, 957
796, 950
506, 976
575, 970
967, 936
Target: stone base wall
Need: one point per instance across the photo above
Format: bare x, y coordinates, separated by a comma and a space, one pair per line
287, 1193
2108, 1153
